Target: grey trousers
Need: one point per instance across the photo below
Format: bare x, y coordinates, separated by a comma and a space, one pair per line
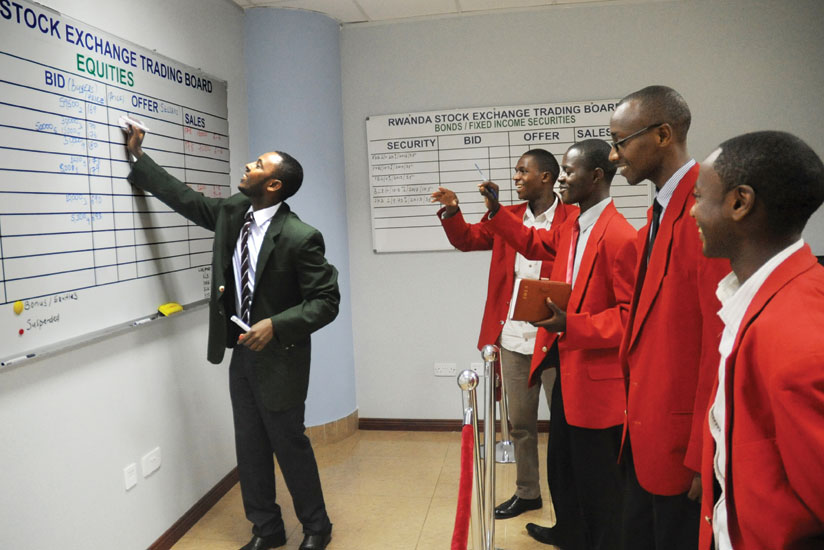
260, 432
523, 416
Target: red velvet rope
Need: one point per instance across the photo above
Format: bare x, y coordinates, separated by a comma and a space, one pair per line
460, 534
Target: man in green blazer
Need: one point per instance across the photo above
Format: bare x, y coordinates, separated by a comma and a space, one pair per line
268, 269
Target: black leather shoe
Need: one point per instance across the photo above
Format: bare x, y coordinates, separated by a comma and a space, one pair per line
316, 541
264, 543
542, 534
516, 506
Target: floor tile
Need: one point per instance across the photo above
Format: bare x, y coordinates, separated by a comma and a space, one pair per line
383, 490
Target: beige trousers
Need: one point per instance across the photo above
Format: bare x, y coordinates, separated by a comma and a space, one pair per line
523, 417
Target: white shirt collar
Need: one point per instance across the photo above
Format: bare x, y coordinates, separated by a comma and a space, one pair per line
735, 297
264, 215
546, 215
587, 219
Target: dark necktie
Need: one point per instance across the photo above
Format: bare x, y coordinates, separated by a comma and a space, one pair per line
653, 228
245, 283
573, 247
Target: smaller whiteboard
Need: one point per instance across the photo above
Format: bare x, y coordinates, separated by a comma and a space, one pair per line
412, 154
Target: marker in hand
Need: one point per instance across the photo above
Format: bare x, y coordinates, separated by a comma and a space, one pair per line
125, 120
236, 320
481, 187
489, 189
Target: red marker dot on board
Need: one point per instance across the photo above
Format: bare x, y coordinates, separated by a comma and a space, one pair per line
21, 332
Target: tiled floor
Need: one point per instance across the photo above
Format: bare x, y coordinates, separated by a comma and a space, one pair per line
383, 490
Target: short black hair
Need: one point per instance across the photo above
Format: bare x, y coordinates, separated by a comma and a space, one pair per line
786, 174
663, 104
290, 173
546, 162
595, 154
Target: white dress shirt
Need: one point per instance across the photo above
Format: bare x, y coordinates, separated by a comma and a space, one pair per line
256, 232
586, 221
519, 336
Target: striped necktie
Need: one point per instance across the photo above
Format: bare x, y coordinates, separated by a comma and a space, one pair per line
245, 283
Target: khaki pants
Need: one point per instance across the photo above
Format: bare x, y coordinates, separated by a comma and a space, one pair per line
523, 416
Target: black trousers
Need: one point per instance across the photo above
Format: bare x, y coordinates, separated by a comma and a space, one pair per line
656, 522
585, 481
260, 432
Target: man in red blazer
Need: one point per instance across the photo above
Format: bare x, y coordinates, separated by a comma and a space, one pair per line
670, 347
596, 254
535, 175
762, 468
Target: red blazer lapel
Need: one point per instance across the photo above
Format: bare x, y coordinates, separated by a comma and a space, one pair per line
798, 262
590, 256
640, 271
559, 266
647, 286
564, 214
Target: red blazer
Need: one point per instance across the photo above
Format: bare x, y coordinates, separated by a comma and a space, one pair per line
669, 353
592, 381
775, 398
467, 237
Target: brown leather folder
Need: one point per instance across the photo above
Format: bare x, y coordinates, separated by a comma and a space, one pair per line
530, 299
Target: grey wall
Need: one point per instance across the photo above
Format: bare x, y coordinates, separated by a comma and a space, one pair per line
70, 422
294, 88
742, 65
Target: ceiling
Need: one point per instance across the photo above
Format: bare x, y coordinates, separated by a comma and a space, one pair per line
363, 11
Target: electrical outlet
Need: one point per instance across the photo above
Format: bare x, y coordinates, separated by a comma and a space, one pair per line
478, 368
130, 475
150, 462
446, 369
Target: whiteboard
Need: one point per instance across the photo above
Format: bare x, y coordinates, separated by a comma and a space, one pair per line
412, 154
82, 252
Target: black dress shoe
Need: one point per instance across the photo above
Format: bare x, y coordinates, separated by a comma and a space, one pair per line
264, 543
542, 534
316, 541
516, 506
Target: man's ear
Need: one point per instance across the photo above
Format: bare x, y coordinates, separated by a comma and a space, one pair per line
741, 200
274, 185
598, 175
664, 134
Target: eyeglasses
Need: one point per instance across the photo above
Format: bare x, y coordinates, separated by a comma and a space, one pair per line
617, 144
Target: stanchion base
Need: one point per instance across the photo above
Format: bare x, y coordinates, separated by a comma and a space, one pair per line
505, 452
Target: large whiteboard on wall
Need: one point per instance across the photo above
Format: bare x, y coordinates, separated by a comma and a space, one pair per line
81, 250
412, 154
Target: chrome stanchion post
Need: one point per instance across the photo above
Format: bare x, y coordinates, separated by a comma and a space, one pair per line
468, 382
489, 354
504, 450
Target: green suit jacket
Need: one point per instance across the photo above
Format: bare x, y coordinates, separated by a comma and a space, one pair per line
294, 284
